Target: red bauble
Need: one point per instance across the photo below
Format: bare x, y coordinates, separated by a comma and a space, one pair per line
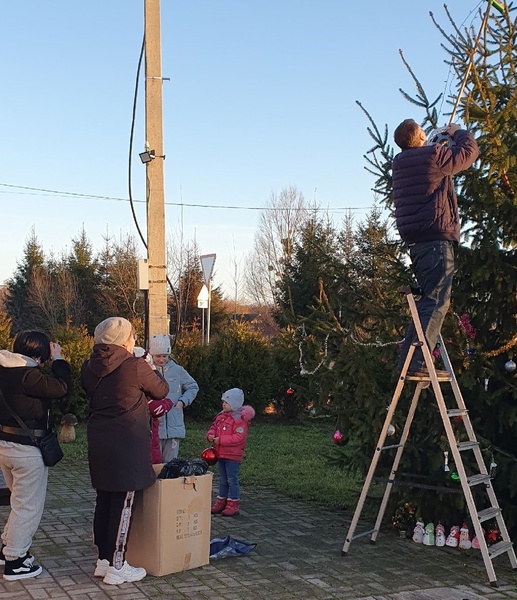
289, 391
340, 439
209, 456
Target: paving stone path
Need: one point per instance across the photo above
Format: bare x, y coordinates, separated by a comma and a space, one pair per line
298, 555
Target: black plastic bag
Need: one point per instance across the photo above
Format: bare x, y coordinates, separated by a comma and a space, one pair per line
228, 546
181, 467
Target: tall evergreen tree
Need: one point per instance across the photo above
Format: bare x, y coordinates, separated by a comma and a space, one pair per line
84, 268
481, 330
314, 257
16, 303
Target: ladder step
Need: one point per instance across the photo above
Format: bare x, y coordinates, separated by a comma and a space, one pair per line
488, 513
467, 446
499, 548
424, 376
392, 446
363, 533
458, 412
478, 479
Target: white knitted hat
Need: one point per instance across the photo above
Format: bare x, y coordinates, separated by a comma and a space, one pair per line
115, 330
233, 397
160, 344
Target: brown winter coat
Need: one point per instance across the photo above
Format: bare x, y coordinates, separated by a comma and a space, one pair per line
30, 392
118, 427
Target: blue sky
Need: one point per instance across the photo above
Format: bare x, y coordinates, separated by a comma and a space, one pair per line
261, 97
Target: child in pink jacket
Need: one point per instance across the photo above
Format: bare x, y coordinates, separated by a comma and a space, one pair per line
228, 434
157, 408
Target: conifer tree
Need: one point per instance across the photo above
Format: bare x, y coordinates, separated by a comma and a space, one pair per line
315, 255
17, 306
481, 329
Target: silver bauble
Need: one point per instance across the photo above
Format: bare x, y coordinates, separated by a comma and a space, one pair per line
510, 366
440, 136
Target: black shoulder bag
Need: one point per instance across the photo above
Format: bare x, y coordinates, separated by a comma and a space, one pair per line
50, 449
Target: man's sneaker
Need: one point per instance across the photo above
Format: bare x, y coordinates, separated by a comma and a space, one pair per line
21, 568
2, 556
101, 568
124, 575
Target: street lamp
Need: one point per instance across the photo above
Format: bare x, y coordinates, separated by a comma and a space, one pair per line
202, 302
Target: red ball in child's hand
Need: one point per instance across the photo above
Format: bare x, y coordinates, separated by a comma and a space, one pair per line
209, 456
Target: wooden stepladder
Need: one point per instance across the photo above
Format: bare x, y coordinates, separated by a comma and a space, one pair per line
468, 481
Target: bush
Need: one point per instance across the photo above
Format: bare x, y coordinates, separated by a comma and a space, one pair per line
238, 357
76, 346
5, 330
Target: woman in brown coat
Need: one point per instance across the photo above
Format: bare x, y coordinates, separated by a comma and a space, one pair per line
119, 440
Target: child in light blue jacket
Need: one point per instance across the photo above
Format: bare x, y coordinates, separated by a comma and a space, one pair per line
182, 391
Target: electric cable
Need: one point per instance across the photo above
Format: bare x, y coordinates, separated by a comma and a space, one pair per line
135, 219
131, 141
47, 192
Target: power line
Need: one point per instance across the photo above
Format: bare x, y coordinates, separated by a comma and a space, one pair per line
42, 191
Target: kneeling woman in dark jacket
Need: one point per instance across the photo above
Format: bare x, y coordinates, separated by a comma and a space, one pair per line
119, 440
28, 392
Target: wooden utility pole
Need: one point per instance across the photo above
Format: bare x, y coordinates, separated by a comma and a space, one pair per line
158, 321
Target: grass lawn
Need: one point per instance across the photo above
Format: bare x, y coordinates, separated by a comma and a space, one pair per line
291, 459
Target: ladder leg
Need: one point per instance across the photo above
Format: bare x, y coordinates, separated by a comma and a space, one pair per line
375, 459
396, 461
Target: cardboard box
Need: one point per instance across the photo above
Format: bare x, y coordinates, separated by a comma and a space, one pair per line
170, 527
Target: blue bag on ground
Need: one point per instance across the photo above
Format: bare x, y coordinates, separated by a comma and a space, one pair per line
228, 546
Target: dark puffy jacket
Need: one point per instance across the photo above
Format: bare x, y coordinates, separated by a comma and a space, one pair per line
29, 392
119, 432
426, 207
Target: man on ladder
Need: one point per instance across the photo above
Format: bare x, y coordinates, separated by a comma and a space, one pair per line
426, 213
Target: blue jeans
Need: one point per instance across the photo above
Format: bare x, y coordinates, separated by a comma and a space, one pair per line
228, 478
433, 266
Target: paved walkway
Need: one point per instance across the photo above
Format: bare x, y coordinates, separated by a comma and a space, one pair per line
298, 555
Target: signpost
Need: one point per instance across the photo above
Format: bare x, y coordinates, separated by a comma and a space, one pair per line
202, 302
207, 266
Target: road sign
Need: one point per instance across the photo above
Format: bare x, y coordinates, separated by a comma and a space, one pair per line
207, 266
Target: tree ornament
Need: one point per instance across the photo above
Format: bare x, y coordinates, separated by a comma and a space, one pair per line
391, 430
475, 541
209, 456
428, 535
440, 535
418, 532
493, 536
493, 469
486, 384
440, 136
510, 366
340, 439
464, 541
455, 476
453, 538
446, 461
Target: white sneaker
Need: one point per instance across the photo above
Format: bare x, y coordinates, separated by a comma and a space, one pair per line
123, 575
101, 568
